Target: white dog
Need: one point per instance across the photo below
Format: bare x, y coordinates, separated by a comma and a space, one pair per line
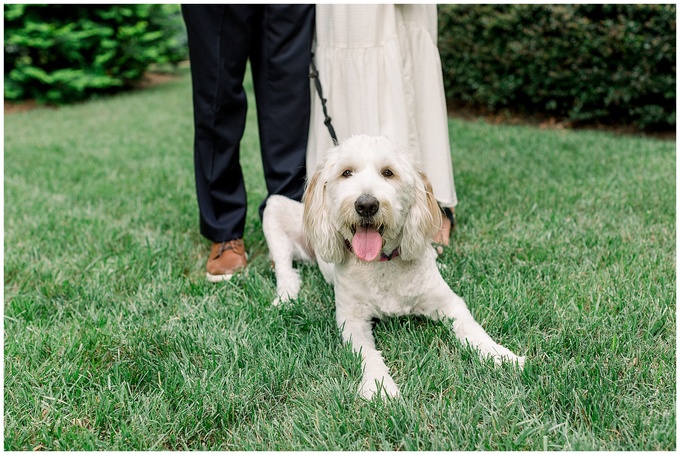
368, 217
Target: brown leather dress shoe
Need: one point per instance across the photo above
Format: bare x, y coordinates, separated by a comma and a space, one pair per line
225, 259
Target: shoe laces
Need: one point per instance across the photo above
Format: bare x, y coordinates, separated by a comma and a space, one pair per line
226, 246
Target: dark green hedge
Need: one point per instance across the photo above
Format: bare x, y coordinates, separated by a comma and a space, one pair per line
609, 64
65, 53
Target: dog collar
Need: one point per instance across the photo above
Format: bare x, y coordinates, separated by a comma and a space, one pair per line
383, 257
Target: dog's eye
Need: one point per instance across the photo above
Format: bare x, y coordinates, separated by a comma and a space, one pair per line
347, 173
387, 173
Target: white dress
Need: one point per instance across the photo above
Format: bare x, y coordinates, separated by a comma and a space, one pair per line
381, 73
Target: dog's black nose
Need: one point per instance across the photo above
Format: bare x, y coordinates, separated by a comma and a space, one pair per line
366, 205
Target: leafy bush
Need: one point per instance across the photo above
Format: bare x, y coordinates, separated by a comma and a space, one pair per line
65, 53
581, 63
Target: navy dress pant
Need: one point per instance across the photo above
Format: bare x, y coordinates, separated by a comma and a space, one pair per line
277, 39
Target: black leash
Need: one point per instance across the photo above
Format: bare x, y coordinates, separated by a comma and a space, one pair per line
314, 74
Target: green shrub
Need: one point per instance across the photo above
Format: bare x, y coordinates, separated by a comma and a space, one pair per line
64, 53
610, 64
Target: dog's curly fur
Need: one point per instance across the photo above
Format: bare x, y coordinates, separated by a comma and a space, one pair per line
407, 217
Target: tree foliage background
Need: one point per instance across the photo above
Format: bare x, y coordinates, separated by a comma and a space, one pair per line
609, 64
65, 53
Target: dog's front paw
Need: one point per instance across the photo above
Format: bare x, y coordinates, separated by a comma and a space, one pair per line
383, 387
284, 297
287, 288
501, 354
280, 300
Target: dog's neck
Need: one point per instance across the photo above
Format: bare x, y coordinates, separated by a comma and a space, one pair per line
383, 257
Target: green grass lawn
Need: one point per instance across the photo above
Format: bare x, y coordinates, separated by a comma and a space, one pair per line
565, 253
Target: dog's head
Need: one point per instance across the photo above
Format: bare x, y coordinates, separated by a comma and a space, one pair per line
370, 194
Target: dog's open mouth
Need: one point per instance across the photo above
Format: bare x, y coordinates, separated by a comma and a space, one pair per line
367, 241
368, 224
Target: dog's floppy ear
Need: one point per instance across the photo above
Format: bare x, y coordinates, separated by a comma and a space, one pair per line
422, 222
319, 231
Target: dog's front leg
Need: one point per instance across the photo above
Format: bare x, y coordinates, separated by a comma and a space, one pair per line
288, 280
376, 377
282, 227
448, 305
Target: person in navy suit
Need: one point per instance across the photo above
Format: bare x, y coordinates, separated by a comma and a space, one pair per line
277, 39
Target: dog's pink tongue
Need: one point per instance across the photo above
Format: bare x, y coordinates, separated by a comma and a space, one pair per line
367, 243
